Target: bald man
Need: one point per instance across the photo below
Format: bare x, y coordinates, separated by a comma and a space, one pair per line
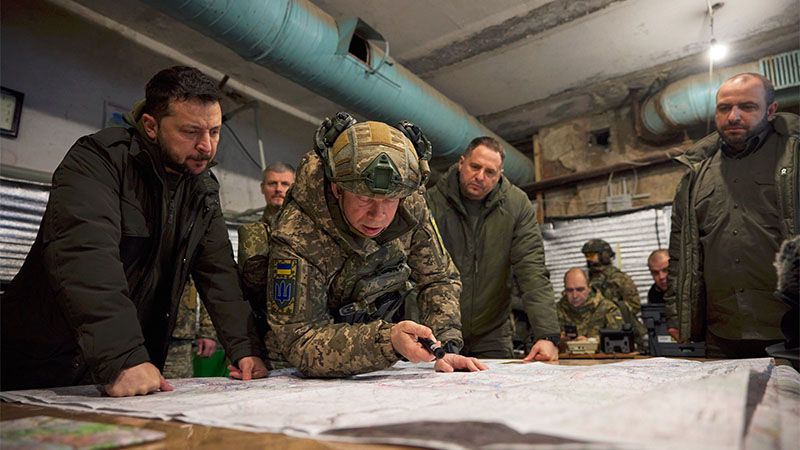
585, 307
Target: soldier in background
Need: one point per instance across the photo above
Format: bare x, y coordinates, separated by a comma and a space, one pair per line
190, 325
614, 284
254, 237
353, 231
278, 179
585, 308
658, 264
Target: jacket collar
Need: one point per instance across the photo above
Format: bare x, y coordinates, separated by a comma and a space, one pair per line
782, 123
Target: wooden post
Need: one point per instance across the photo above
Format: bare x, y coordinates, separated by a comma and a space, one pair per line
537, 176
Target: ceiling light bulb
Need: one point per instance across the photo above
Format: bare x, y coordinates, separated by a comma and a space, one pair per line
717, 51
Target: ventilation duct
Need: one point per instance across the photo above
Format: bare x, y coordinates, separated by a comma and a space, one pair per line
347, 62
692, 100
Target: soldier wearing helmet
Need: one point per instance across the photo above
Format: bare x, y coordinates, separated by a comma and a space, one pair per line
614, 284
351, 236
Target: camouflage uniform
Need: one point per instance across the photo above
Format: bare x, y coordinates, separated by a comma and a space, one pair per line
595, 314
617, 286
179, 363
319, 269
615, 283
253, 262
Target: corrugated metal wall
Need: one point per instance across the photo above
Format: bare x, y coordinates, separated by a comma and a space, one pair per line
22, 205
21, 208
632, 236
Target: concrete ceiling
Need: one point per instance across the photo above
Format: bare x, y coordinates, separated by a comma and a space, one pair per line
516, 65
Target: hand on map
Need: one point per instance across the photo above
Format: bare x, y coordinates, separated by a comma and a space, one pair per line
543, 350
137, 380
206, 347
453, 361
249, 368
404, 340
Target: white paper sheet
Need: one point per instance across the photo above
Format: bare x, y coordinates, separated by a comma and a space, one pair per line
649, 403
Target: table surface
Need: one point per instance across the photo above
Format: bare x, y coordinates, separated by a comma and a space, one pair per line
184, 435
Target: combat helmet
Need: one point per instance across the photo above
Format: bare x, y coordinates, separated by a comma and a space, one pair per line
599, 247
372, 158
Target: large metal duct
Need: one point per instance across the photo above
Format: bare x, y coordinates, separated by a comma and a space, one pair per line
692, 100
296, 39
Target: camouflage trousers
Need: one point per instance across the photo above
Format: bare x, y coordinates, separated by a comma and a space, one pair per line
179, 359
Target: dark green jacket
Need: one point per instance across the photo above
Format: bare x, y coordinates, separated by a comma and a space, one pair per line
85, 298
507, 242
686, 296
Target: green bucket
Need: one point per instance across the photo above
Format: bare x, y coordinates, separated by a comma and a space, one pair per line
215, 365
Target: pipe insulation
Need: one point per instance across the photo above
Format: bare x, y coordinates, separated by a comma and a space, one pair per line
692, 100
299, 41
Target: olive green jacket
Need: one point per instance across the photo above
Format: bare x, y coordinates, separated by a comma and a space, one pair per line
686, 297
507, 242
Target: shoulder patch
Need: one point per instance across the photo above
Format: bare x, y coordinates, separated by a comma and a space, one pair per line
284, 286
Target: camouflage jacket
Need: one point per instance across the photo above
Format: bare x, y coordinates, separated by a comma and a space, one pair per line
316, 265
598, 312
253, 248
187, 325
616, 284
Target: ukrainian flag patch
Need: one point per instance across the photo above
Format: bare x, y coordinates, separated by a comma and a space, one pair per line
284, 286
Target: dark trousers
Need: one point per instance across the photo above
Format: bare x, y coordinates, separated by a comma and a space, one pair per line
717, 347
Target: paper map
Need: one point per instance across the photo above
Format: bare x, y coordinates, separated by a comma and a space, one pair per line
645, 403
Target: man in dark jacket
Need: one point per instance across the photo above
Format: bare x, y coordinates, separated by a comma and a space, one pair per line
131, 214
732, 209
489, 228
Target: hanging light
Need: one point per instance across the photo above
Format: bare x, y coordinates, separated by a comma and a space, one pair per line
717, 51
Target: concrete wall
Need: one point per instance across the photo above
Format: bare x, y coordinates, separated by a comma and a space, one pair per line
71, 71
566, 148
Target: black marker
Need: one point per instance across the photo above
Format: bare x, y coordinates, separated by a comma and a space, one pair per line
431, 346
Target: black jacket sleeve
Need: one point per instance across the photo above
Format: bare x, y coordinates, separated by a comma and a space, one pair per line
81, 236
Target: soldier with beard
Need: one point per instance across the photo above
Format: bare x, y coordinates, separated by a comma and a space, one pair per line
132, 213
615, 285
735, 205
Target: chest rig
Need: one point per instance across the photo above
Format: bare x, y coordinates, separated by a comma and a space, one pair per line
371, 287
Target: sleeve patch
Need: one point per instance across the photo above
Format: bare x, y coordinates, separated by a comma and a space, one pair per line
284, 286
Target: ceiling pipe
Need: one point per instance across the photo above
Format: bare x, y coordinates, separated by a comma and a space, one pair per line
299, 41
692, 100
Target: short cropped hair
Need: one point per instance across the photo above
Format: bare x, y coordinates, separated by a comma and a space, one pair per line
487, 141
769, 88
277, 167
178, 83
655, 253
